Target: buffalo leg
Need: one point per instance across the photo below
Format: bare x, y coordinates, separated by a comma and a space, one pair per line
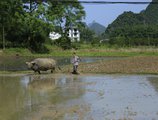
39, 72
52, 70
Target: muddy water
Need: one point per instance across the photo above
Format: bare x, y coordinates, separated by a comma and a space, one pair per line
82, 97
17, 63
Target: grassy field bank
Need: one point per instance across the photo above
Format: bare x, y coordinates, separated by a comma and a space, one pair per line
86, 50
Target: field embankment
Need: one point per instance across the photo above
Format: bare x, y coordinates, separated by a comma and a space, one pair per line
130, 65
85, 50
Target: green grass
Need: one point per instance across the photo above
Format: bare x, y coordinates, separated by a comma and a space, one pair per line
86, 50
15, 51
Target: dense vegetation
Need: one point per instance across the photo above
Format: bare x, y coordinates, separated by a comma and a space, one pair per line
131, 29
27, 23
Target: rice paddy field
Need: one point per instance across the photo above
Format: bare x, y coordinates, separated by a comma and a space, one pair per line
127, 65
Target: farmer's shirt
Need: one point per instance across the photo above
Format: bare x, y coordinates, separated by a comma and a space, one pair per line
75, 60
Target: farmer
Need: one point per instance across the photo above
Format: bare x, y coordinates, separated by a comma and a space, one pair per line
75, 61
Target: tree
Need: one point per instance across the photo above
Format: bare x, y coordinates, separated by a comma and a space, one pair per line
9, 12
87, 35
27, 23
66, 14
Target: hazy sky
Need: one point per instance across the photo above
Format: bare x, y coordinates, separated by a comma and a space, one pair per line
106, 13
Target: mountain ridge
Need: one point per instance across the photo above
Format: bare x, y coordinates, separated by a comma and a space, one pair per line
147, 16
96, 27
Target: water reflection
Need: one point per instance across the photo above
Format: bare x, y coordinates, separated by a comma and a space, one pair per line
22, 97
13, 63
71, 97
11, 97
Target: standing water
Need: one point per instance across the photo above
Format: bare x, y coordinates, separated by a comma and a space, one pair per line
17, 63
83, 97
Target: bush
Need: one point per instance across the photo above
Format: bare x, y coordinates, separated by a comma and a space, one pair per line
64, 42
37, 43
75, 45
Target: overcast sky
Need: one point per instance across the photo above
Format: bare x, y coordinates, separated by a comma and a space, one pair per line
106, 13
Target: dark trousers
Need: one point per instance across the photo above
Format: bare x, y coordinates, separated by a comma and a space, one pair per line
75, 68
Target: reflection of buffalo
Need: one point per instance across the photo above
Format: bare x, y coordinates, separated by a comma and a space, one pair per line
42, 64
42, 83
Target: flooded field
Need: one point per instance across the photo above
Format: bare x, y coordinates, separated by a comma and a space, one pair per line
17, 63
78, 97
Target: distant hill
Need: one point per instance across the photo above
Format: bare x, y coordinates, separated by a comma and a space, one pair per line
130, 19
151, 13
131, 29
96, 27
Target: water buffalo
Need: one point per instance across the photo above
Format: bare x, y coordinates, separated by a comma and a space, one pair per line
42, 64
